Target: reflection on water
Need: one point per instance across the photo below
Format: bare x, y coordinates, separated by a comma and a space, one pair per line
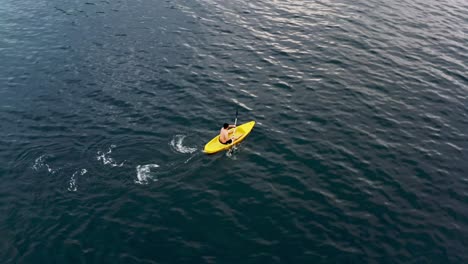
358, 154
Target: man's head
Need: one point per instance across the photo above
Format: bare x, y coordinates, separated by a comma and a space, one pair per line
226, 125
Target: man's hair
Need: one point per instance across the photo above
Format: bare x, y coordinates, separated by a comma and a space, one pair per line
226, 125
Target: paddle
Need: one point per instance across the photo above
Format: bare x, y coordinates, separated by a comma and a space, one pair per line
233, 135
235, 122
235, 126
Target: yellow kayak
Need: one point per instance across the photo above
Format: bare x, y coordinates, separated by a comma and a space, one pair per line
241, 131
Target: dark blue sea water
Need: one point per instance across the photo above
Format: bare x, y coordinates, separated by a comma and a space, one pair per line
359, 155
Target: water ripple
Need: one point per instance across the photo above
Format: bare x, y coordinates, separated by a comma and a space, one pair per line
358, 156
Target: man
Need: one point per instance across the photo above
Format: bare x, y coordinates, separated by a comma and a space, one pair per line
224, 134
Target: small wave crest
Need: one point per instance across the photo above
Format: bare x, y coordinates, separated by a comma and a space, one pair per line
72, 183
176, 145
241, 104
106, 159
144, 173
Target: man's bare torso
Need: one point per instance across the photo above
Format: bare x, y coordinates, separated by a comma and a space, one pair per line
223, 135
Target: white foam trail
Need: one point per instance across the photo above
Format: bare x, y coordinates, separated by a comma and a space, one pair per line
176, 144
72, 183
143, 173
106, 160
40, 163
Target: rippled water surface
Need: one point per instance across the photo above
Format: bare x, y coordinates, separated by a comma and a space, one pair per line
359, 154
